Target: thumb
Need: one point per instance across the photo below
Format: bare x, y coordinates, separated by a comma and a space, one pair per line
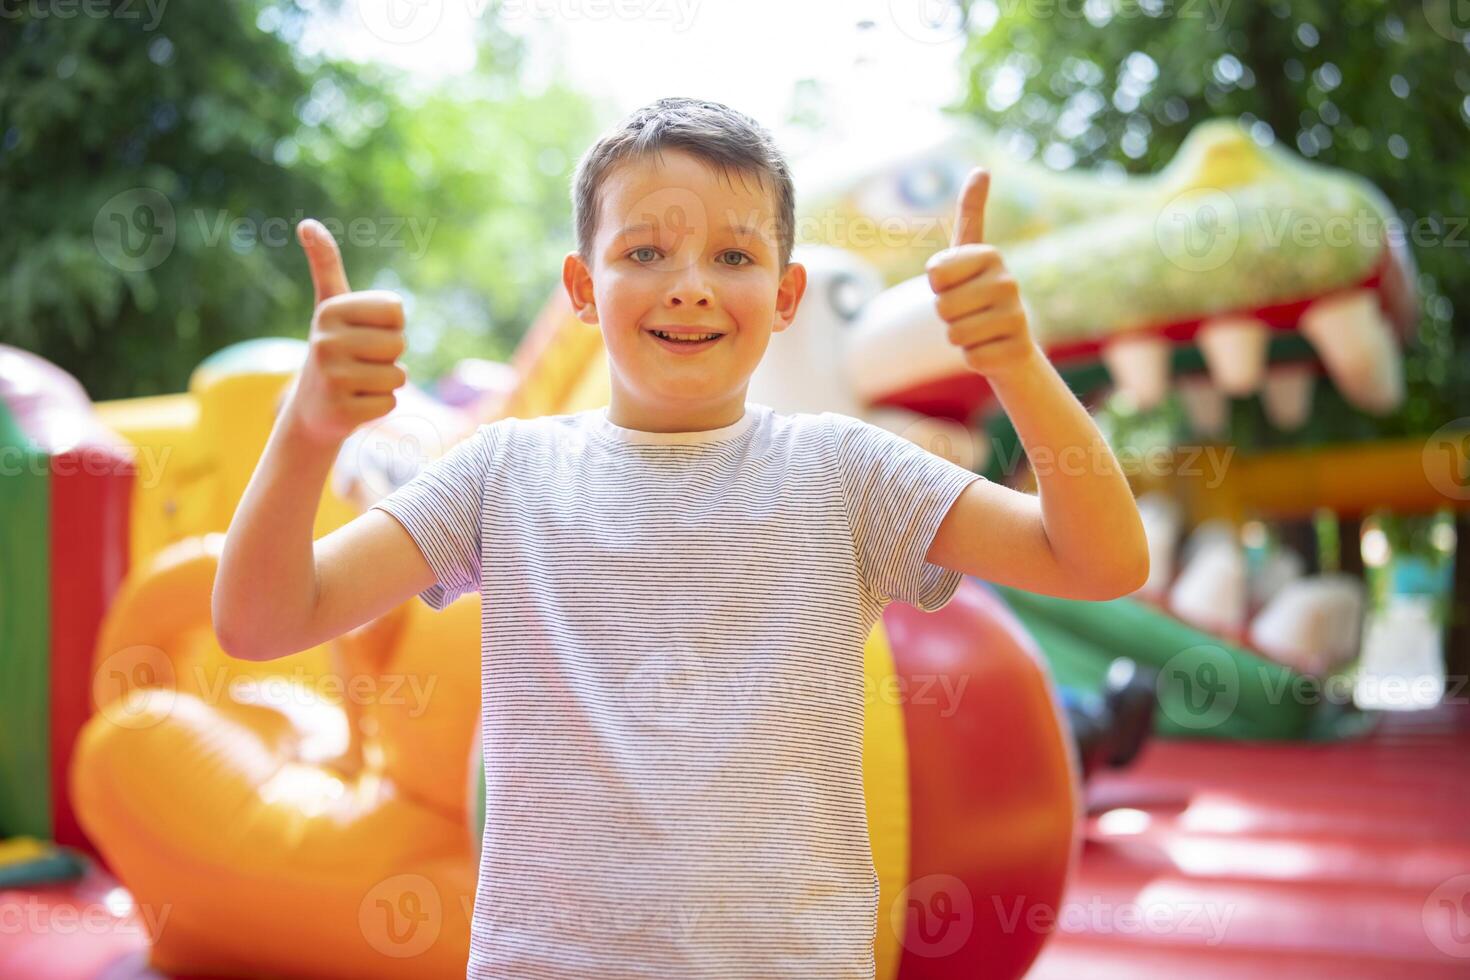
969, 225
328, 277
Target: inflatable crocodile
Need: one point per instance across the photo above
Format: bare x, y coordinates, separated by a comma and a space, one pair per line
1233, 257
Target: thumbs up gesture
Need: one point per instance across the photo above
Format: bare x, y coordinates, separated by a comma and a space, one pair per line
350, 372
975, 294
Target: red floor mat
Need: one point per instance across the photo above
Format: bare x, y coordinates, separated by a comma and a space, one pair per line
1231, 860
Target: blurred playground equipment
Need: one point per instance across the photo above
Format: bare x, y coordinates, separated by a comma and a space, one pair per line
311, 816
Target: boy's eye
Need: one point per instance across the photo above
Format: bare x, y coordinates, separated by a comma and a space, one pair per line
649, 248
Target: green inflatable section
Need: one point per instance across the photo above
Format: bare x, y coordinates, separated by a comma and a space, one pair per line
477, 798
1208, 250
25, 635
1207, 688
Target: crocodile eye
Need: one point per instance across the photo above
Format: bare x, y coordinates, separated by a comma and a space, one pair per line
926, 185
845, 296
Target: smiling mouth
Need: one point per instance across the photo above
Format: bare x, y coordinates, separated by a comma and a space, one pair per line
685, 337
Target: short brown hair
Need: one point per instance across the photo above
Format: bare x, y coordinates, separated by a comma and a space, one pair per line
714, 133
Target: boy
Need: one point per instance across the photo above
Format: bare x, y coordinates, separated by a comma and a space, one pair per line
676, 588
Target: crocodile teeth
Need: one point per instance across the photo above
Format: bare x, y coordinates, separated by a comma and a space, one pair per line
1356, 344
1235, 353
1287, 395
1205, 405
1139, 365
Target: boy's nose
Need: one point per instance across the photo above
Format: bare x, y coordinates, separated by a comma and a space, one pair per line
689, 289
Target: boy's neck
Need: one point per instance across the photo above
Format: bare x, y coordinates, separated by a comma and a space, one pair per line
664, 417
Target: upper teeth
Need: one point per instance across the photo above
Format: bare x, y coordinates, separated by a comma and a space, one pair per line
685, 336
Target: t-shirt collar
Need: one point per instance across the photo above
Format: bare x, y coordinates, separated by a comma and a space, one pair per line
618, 433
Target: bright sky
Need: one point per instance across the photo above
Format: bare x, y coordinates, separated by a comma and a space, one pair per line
886, 66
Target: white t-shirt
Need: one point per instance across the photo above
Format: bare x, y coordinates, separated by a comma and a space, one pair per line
672, 682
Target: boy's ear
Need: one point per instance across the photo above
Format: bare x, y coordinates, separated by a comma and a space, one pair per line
788, 296
577, 279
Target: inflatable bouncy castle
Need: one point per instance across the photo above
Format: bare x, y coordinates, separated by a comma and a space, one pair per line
319, 816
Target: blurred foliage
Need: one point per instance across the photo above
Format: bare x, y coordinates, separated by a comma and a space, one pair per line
1381, 89
456, 195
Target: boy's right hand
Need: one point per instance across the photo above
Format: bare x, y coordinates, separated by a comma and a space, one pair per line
350, 372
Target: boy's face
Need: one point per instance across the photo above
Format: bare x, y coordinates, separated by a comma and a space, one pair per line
670, 254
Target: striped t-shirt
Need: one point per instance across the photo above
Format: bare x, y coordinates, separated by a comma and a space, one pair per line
672, 682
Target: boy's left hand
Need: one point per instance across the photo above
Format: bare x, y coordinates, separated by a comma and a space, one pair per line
975, 294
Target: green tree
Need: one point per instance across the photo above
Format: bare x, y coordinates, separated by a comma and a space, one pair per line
155, 160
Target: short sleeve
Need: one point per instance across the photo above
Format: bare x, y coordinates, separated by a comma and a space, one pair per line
441, 510
896, 494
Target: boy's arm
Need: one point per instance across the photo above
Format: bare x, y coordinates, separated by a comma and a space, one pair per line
1082, 536
276, 591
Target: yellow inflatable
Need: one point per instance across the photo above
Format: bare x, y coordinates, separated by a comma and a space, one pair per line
257, 829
